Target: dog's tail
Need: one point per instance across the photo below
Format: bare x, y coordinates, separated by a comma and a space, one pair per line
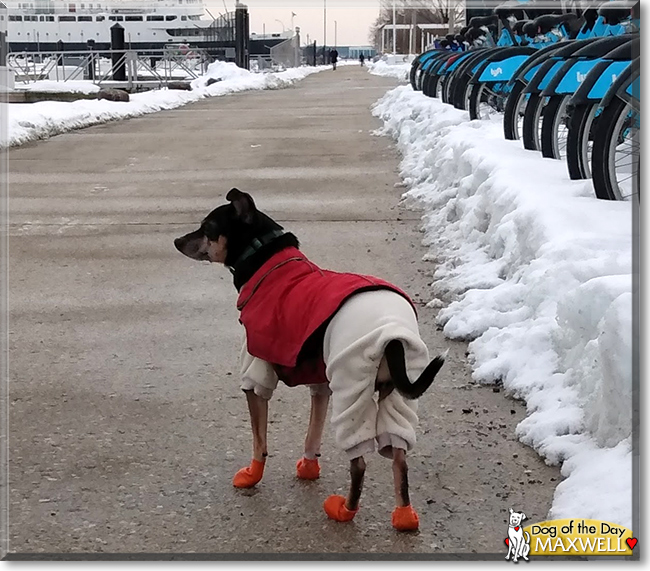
396, 361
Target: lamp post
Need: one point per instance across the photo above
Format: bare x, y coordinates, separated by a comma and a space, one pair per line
324, 29
284, 28
394, 28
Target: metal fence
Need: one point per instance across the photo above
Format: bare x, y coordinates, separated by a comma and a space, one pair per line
130, 68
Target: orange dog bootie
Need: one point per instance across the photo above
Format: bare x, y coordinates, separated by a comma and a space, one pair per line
405, 519
335, 509
307, 469
249, 476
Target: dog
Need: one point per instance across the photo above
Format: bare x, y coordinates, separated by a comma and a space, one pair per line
517, 545
350, 337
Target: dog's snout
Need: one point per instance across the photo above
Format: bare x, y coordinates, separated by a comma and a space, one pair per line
179, 243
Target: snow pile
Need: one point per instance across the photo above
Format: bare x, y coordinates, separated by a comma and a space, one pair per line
28, 122
48, 86
537, 272
397, 66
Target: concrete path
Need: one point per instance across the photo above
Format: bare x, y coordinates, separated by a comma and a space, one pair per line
126, 420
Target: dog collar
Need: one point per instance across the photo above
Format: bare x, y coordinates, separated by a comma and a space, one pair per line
255, 245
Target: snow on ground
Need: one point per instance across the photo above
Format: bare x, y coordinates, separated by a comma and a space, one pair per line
71, 86
392, 66
31, 121
537, 273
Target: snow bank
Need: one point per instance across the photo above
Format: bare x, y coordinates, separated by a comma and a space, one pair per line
397, 66
537, 273
31, 121
60, 86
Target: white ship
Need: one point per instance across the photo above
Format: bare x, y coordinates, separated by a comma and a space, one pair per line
38, 25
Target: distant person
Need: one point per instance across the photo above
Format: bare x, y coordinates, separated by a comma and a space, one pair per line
362, 59
334, 57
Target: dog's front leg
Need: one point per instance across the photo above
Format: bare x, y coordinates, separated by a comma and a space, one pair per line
344, 509
258, 408
308, 467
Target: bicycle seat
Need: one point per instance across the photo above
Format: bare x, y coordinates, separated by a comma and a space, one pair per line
614, 11
546, 23
480, 21
529, 29
518, 28
474, 34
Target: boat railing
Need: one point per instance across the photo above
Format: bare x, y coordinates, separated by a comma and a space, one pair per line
131, 68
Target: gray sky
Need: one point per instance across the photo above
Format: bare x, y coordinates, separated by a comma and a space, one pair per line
353, 17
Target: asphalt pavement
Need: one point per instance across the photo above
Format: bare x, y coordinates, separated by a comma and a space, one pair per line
126, 420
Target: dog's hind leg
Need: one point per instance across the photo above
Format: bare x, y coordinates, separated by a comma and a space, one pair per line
308, 467
405, 518
344, 509
258, 408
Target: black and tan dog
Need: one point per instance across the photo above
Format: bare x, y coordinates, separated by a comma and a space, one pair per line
352, 337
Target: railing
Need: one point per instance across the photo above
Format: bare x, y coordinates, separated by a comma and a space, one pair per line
130, 67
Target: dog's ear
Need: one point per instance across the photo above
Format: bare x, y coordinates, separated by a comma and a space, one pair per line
244, 205
523, 516
511, 510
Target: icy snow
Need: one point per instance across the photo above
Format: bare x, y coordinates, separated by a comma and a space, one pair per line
392, 66
537, 273
31, 121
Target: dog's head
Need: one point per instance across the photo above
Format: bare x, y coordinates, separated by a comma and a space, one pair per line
227, 231
516, 517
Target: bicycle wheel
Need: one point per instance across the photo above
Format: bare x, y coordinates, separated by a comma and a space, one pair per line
532, 122
580, 141
615, 161
513, 116
429, 84
445, 84
483, 101
554, 127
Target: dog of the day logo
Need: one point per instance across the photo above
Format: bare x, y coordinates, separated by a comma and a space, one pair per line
586, 537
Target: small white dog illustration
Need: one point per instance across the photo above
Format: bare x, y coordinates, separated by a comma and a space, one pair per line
517, 545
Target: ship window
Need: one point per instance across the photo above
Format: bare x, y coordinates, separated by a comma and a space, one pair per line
183, 18
85, 19
67, 18
100, 18
170, 18
72, 8
133, 18
49, 18
15, 18
116, 18
41, 18
155, 18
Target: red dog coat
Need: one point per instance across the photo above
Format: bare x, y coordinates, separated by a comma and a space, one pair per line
286, 302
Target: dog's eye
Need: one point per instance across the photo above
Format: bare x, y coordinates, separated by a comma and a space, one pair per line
210, 229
